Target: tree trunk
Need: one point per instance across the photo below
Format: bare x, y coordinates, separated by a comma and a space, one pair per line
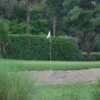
28, 17
88, 56
54, 27
0, 50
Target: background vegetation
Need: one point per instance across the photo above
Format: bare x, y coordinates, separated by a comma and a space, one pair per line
75, 18
31, 47
75, 27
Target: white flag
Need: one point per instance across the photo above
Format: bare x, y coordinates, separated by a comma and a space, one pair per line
48, 35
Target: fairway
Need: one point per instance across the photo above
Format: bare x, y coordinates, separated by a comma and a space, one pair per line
48, 65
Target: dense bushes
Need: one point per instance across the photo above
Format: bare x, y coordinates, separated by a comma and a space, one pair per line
15, 27
62, 49
38, 25
28, 47
95, 56
77, 53
3, 36
35, 47
31, 47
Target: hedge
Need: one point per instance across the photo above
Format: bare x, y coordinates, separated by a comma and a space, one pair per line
77, 53
95, 56
62, 49
36, 47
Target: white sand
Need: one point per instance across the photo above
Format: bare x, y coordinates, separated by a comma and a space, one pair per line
50, 77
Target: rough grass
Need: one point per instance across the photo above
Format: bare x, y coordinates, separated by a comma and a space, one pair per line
15, 86
65, 92
47, 65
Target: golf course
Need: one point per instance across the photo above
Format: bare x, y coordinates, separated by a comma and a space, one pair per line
77, 91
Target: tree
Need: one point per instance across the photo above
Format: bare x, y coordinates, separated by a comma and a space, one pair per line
84, 23
19, 12
28, 16
6, 6
3, 36
97, 38
28, 13
38, 25
54, 12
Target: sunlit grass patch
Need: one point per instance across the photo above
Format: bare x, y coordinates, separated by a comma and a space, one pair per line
47, 65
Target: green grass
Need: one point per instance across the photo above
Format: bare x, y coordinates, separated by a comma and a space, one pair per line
14, 85
63, 92
9, 80
47, 65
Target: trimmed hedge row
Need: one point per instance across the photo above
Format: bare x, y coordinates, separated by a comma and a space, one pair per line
35, 47
95, 56
62, 49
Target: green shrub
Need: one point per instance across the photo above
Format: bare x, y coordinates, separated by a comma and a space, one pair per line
28, 47
62, 49
95, 56
15, 27
35, 47
97, 43
3, 36
95, 95
15, 85
38, 25
77, 53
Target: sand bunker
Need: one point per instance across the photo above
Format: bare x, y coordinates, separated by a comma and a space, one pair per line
51, 77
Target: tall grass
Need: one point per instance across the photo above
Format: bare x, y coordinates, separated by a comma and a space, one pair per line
64, 92
14, 85
95, 95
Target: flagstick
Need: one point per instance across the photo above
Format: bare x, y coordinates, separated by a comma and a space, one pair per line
49, 35
50, 48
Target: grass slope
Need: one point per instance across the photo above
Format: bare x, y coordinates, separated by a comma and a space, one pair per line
47, 65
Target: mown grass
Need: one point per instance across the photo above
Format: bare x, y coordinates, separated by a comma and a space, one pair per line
47, 65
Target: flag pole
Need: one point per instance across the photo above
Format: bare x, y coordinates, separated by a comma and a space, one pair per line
50, 48
49, 36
